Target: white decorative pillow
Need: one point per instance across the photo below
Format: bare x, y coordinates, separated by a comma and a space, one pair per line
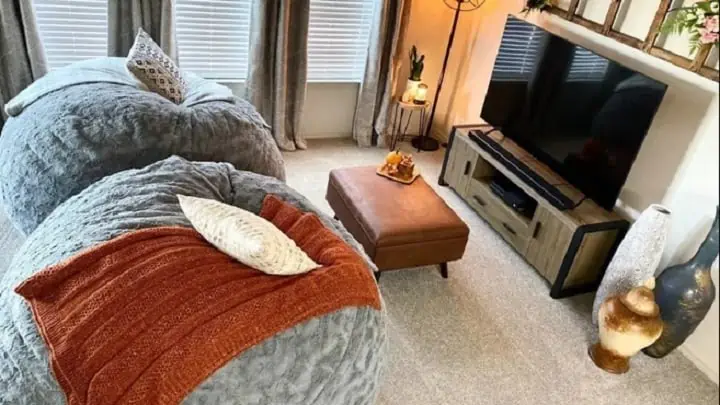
149, 64
249, 238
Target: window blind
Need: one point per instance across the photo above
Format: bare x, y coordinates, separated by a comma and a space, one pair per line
518, 53
72, 30
587, 66
213, 37
338, 39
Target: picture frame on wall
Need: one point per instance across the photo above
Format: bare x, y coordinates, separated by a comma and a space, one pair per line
630, 22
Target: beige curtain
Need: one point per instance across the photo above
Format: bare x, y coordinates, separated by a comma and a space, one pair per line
277, 76
156, 17
22, 58
372, 112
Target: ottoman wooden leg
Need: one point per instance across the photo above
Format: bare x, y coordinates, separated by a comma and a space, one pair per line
443, 270
377, 276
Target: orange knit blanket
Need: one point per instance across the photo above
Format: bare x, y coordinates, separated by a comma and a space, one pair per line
146, 317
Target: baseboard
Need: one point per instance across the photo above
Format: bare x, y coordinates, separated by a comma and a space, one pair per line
700, 364
327, 135
440, 135
627, 211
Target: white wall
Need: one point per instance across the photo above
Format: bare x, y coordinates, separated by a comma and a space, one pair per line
693, 198
678, 161
329, 109
428, 30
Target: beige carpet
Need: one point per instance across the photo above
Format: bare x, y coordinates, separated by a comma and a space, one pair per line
491, 334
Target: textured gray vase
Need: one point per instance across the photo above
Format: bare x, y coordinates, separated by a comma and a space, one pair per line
638, 256
684, 294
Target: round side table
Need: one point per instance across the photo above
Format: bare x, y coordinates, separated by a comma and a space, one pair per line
400, 124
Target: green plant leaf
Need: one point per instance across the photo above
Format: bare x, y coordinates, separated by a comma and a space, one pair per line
674, 24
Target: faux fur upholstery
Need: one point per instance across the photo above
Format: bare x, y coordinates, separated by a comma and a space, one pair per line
333, 359
81, 123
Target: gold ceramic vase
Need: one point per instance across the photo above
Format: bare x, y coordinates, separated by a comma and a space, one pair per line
627, 324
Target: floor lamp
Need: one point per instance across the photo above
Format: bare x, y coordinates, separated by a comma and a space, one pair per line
426, 142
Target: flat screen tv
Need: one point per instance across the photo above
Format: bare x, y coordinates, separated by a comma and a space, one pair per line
583, 115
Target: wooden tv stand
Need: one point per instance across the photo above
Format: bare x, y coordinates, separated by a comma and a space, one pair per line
569, 248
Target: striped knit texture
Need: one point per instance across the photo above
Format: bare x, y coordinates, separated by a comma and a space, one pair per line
146, 317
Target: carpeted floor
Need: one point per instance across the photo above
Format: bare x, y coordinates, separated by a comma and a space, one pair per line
490, 334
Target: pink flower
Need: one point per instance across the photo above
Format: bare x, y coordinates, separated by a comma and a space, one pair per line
712, 24
707, 37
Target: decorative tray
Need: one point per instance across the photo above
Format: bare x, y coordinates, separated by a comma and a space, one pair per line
381, 171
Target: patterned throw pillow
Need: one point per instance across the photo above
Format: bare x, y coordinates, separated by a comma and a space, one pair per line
149, 64
248, 238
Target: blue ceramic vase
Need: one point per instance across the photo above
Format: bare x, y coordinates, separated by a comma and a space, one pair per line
684, 294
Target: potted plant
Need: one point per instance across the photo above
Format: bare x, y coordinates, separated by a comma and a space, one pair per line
701, 20
537, 5
417, 64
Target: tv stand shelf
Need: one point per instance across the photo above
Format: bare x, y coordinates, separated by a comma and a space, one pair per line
569, 247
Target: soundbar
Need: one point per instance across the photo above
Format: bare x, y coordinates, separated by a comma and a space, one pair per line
520, 169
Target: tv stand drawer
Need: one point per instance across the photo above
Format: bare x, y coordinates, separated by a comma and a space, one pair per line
515, 231
481, 194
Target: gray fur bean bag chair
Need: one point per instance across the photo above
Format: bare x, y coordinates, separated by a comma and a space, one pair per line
333, 359
83, 122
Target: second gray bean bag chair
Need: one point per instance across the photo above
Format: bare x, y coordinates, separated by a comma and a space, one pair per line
331, 360
91, 119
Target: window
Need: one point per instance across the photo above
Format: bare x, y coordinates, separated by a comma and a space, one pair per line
587, 66
72, 30
214, 37
338, 39
518, 51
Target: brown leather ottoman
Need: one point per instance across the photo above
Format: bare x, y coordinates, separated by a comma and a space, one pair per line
399, 225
